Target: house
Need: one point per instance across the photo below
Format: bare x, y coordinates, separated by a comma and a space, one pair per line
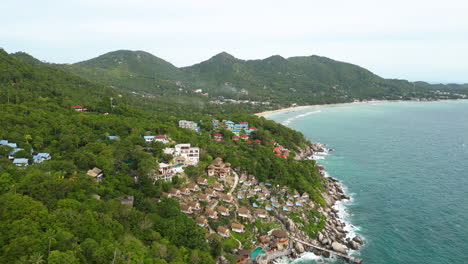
149, 138
96, 173
243, 178
225, 198
161, 138
268, 208
286, 209
241, 195
280, 235
201, 221
202, 181
281, 152
298, 202
243, 212
211, 193
218, 187
289, 203
235, 138
255, 205
21, 162
41, 157
244, 136
261, 213
305, 196
193, 187
112, 137
174, 192
188, 125
194, 205
11, 154
222, 231
238, 228
211, 214
127, 200
262, 197
251, 194
191, 154
203, 197
218, 137
185, 191
185, 208
229, 124
276, 205
78, 108
218, 168
165, 173
223, 211
258, 141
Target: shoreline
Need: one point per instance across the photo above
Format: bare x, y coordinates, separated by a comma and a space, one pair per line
296, 108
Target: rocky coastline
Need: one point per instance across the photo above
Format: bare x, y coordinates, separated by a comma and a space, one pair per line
334, 235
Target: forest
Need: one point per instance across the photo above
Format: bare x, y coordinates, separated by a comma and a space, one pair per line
53, 212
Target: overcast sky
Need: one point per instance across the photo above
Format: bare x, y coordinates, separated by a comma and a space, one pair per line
404, 39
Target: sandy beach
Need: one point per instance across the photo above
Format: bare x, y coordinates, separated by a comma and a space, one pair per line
295, 108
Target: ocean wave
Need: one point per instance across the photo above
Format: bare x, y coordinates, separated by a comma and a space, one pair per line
289, 120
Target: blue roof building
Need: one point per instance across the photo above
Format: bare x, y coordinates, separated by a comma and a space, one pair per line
255, 205
21, 162
268, 208
112, 137
3, 142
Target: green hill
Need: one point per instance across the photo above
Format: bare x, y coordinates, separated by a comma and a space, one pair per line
129, 70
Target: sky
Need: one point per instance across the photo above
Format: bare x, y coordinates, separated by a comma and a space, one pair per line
403, 39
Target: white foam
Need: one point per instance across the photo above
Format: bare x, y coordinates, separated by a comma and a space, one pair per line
289, 120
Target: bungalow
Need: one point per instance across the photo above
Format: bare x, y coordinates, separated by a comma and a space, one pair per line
257, 188
296, 194
161, 138
127, 200
203, 197
238, 228
211, 193
240, 195
41, 157
185, 191
286, 209
235, 138
268, 208
217, 167
202, 181
305, 196
243, 212
258, 141
218, 187
236, 131
21, 162
193, 187
298, 203
223, 211
218, 137
261, 213
174, 192
11, 154
255, 205
251, 194
211, 214
112, 137
78, 108
280, 235
222, 231
185, 208
201, 221
249, 143
275, 205
194, 205
229, 124
96, 173
225, 198
243, 178
262, 197
244, 136
149, 138
289, 203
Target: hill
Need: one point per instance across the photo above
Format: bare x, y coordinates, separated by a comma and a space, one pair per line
276, 80
129, 70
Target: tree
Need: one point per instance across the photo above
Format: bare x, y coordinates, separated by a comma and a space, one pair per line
58, 257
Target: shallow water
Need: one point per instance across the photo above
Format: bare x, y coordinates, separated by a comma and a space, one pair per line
406, 166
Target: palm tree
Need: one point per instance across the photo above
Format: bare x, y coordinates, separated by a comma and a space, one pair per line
36, 258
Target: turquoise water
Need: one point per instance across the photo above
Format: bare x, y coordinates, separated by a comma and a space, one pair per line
406, 166
256, 252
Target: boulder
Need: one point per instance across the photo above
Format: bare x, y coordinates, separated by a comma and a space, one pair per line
358, 240
353, 245
339, 247
290, 225
320, 236
299, 248
326, 254
339, 229
317, 252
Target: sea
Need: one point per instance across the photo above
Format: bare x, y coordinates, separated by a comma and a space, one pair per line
405, 165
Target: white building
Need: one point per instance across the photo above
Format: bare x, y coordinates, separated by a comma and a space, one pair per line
188, 125
189, 153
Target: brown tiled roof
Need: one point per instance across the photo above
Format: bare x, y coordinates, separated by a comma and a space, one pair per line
237, 226
223, 209
278, 233
201, 220
243, 210
222, 229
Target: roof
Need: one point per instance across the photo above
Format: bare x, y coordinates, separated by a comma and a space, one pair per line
20, 161
278, 233
200, 220
243, 210
148, 137
261, 211
229, 122
184, 207
3, 142
223, 209
222, 229
94, 172
43, 154
112, 137
160, 137
218, 135
235, 136
210, 212
76, 106
244, 136
237, 226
